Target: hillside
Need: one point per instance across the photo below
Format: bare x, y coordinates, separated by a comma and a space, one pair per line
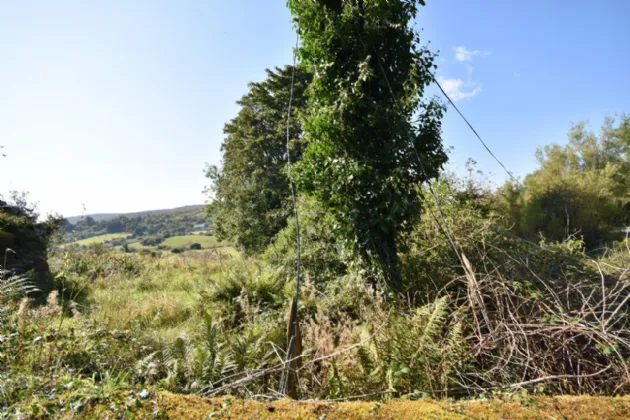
108, 216
133, 231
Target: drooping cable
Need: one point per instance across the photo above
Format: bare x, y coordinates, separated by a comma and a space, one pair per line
294, 327
473, 130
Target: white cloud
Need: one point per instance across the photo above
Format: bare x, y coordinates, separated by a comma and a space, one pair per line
464, 54
454, 88
469, 68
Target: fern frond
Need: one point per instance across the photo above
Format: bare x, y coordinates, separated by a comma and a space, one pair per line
365, 360
437, 313
454, 342
13, 286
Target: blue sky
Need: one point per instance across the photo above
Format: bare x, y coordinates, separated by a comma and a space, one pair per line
118, 105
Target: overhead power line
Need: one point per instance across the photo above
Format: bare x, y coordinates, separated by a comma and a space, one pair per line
472, 128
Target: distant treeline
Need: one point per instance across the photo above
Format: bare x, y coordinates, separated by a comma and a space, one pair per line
151, 225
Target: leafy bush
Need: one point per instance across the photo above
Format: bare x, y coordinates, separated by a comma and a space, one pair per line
323, 258
152, 240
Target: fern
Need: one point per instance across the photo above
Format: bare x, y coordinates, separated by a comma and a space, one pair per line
416, 351
365, 360
436, 314
13, 286
455, 342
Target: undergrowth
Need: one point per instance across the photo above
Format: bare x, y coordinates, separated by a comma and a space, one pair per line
202, 323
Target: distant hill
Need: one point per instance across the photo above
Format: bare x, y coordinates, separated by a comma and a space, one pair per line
109, 216
150, 228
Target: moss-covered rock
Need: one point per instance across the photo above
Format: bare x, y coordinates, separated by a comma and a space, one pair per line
177, 406
24, 241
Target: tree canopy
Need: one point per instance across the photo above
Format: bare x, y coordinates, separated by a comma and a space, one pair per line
580, 188
372, 138
250, 191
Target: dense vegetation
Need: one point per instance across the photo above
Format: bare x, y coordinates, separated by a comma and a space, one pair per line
453, 288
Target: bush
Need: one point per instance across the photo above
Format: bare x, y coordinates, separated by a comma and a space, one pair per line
195, 246
323, 258
152, 241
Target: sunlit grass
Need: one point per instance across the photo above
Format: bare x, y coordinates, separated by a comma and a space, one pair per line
101, 238
163, 299
185, 241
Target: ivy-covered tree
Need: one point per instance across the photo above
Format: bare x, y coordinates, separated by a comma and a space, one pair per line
250, 193
372, 137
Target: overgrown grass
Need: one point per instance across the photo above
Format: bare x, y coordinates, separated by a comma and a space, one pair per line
162, 298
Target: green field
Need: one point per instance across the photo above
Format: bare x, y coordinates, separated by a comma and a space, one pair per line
135, 245
186, 240
101, 238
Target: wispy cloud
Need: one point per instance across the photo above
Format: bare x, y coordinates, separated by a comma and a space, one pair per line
469, 68
464, 54
457, 89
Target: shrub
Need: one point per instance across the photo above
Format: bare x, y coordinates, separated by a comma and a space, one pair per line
323, 258
152, 241
195, 246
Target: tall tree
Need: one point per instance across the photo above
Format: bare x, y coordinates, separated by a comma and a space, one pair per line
250, 193
368, 152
